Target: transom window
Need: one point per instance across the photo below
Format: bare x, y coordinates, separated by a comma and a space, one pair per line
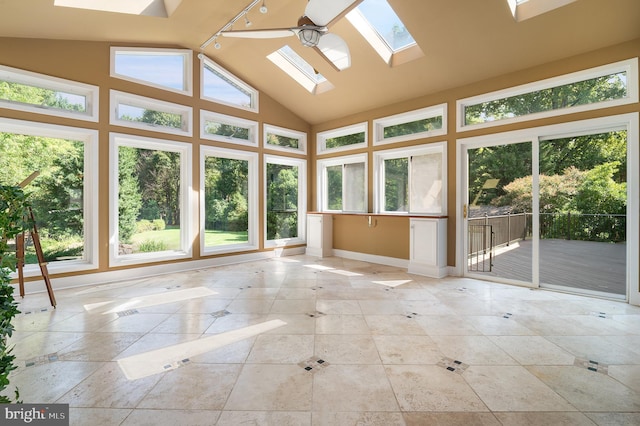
422, 123
343, 138
282, 139
41, 94
150, 114
300, 70
600, 87
226, 128
342, 184
411, 180
168, 69
219, 85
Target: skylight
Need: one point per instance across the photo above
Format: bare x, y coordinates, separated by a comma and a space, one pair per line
525, 9
384, 30
159, 8
300, 70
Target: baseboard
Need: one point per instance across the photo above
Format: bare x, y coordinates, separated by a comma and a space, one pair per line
372, 258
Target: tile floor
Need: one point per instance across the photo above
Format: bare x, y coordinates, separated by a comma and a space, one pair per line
307, 341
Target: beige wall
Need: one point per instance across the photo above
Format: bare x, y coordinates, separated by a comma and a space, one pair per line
88, 62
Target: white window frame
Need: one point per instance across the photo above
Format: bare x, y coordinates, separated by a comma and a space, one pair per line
254, 94
289, 133
251, 125
90, 188
302, 200
379, 176
321, 138
253, 199
522, 10
187, 208
380, 124
187, 60
116, 98
630, 66
322, 181
90, 92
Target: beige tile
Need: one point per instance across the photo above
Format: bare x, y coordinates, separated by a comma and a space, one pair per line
473, 350
48, 382
407, 350
628, 375
99, 347
498, 325
542, 418
450, 419
328, 418
588, 390
281, 349
513, 388
346, 349
447, 325
234, 353
185, 323
533, 350
136, 323
234, 322
79, 416
296, 294
250, 306
36, 320
269, 387
430, 306
394, 324
341, 324
615, 419
595, 348
43, 343
293, 306
295, 324
431, 388
194, 386
83, 322
352, 388
109, 388
382, 307
264, 418
142, 417
336, 307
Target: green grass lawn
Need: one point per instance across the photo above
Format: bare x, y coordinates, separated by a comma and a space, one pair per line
170, 237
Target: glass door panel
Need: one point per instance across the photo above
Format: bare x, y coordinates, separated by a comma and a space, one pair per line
499, 212
583, 201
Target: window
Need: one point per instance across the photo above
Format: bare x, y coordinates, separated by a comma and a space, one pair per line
64, 195
300, 70
383, 29
525, 9
150, 206
150, 114
225, 128
342, 184
228, 200
158, 8
40, 94
167, 69
282, 139
600, 87
422, 123
219, 85
285, 202
411, 180
342, 139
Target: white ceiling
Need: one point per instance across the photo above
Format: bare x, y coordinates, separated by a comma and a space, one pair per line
464, 41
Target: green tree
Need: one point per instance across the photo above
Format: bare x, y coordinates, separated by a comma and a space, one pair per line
158, 174
282, 201
129, 196
226, 194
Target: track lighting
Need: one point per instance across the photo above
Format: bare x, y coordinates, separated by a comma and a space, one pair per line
247, 22
263, 8
229, 25
217, 45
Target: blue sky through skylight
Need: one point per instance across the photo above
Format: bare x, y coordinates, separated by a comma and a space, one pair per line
386, 22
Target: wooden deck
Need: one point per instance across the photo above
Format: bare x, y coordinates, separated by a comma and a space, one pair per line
578, 264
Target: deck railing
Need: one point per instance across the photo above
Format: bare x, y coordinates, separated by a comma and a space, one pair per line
508, 228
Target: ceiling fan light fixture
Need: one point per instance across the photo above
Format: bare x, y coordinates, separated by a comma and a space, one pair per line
309, 37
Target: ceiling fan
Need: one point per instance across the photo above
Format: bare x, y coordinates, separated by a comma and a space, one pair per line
312, 30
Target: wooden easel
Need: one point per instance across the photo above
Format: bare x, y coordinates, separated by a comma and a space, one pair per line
38, 247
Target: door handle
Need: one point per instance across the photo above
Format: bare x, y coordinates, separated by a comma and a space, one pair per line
464, 211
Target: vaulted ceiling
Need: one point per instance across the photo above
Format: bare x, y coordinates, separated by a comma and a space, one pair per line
463, 41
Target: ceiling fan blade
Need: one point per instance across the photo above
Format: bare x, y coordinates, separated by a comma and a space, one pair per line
269, 33
335, 50
325, 12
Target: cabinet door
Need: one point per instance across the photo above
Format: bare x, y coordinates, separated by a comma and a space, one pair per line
424, 241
